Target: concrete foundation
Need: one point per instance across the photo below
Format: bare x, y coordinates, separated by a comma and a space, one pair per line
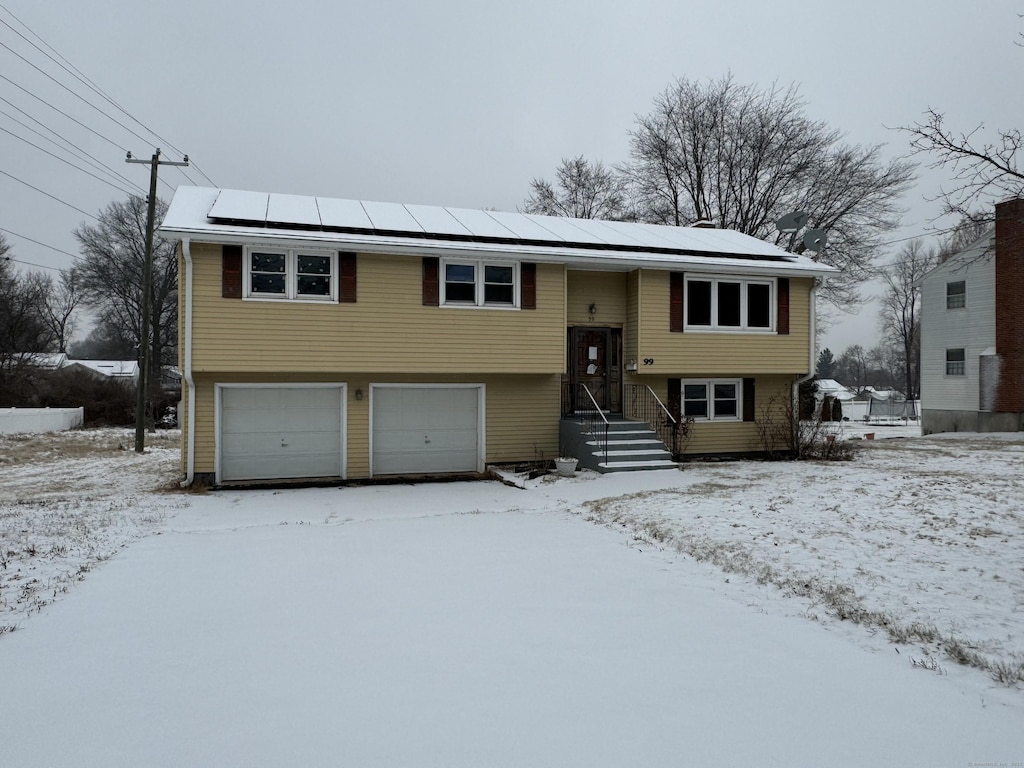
933, 421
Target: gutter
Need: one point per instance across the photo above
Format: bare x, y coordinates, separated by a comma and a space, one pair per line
190, 419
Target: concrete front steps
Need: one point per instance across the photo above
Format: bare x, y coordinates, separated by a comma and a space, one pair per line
632, 446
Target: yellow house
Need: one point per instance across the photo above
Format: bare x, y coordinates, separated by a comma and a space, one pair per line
325, 338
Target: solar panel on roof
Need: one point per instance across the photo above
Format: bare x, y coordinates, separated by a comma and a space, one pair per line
481, 223
293, 209
243, 206
437, 220
391, 217
346, 214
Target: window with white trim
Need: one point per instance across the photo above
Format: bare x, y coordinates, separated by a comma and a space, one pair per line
479, 283
300, 274
712, 399
729, 304
956, 362
956, 294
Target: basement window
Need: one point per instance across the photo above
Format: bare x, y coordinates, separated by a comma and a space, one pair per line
712, 399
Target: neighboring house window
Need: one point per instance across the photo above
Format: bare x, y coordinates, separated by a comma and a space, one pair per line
712, 399
956, 362
479, 284
956, 295
291, 274
722, 303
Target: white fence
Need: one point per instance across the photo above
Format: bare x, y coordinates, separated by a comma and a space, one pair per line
36, 420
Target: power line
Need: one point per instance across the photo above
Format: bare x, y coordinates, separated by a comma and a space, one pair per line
67, 162
51, 247
72, 70
91, 159
52, 197
30, 264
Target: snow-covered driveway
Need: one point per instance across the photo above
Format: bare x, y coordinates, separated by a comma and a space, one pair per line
471, 624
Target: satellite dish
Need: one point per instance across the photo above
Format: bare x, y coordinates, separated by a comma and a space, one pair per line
814, 239
792, 222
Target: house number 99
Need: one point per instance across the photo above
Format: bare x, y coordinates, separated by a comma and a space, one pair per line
648, 361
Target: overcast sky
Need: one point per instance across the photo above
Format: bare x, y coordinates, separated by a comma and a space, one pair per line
455, 102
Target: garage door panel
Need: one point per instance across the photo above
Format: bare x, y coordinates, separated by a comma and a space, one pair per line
426, 429
280, 432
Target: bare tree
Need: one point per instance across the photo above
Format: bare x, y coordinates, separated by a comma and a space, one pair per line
582, 190
969, 230
852, 368
23, 329
743, 157
62, 306
983, 169
900, 315
111, 272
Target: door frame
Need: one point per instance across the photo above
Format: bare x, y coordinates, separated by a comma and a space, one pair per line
612, 373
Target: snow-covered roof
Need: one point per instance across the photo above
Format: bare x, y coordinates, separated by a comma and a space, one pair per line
49, 360
833, 388
114, 368
235, 216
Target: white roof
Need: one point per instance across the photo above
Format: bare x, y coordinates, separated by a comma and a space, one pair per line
117, 368
226, 215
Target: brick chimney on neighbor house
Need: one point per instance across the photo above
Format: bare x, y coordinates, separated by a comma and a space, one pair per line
1009, 276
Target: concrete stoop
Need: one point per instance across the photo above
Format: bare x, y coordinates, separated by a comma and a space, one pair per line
632, 446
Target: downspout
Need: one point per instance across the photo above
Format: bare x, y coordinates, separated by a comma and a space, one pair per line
812, 362
190, 419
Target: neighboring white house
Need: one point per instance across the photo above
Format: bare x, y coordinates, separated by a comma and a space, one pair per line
970, 349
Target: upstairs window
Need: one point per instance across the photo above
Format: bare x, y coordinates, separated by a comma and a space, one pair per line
729, 304
956, 295
480, 284
291, 274
956, 362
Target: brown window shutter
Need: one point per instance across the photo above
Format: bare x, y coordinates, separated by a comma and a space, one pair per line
231, 272
748, 399
675, 398
431, 288
528, 281
346, 277
675, 311
782, 318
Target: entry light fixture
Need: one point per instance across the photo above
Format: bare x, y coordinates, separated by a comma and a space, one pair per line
359, 394
593, 309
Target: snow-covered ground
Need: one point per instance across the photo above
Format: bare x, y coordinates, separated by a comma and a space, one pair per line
736, 612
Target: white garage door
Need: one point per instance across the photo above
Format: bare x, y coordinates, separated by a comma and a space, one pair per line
276, 432
426, 429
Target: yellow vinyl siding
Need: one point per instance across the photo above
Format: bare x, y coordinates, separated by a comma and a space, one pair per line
607, 291
771, 397
386, 330
521, 413
705, 352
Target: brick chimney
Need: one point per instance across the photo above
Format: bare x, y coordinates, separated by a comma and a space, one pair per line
1009, 276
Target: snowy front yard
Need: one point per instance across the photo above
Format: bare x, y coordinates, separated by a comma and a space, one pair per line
740, 612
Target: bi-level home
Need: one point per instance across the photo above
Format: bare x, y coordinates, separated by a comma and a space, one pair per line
972, 333
326, 338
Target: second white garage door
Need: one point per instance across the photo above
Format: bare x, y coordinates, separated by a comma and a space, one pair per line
421, 429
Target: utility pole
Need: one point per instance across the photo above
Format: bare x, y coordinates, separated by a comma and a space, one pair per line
145, 342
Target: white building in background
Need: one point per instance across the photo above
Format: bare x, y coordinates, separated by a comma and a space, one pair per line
972, 358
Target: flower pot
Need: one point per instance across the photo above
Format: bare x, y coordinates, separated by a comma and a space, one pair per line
566, 467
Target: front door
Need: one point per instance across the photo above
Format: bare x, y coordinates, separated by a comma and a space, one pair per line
595, 363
